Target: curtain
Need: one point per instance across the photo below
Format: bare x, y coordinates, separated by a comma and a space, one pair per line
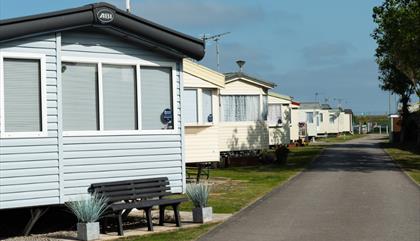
264, 114
207, 106
240, 108
119, 97
274, 114
156, 96
22, 102
80, 97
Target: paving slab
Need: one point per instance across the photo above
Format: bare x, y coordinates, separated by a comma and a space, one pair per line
352, 192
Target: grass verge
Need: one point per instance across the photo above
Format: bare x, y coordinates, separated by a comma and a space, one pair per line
188, 234
342, 138
407, 157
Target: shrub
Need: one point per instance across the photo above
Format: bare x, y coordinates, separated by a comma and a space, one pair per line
281, 154
88, 210
198, 194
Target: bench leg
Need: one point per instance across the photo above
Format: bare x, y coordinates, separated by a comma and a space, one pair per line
161, 215
120, 225
149, 219
176, 213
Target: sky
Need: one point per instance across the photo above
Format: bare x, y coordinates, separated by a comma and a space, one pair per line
305, 47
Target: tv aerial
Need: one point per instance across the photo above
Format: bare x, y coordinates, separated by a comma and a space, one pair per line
216, 39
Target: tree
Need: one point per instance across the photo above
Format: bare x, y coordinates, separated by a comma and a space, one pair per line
398, 38
398, 53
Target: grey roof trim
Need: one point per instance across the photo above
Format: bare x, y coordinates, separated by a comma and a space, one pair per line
235, 75
123, 22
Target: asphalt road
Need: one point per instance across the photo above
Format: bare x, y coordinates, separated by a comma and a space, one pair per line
354, 191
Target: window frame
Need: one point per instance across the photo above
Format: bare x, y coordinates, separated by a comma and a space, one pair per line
260, 106
43, 94
137, 63
200, 121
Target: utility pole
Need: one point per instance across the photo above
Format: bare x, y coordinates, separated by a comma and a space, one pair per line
216, 39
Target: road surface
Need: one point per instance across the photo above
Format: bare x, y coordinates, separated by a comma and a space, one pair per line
354, 191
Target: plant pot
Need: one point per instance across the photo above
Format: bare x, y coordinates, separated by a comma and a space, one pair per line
202, 215
88, 231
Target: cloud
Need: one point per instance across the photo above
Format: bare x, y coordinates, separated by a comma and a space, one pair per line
257, 61
193, 14
356, 82
326, 53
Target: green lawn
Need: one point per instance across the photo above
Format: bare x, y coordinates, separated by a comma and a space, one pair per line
235, 188
341, 138
407, 158
188, 234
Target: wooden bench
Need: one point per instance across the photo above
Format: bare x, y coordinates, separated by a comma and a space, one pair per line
143, 194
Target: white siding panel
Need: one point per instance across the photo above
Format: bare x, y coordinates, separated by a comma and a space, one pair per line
29, 166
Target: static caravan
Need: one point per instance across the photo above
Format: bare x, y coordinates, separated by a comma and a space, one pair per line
243, 113
323, 129
88, 94
309, 114
279, 118
335, 119
347, 121
294, 121
201, 112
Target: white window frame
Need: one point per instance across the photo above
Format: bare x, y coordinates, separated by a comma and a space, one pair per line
138, 65
243, 122
43, 95
200, 121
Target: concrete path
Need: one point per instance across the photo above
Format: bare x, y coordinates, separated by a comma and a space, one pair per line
354, 191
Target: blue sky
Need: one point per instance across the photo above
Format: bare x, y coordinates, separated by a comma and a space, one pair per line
305, 47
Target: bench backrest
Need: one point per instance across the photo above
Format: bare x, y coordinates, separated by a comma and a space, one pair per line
132, 189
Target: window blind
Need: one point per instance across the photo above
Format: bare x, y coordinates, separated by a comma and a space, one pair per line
207, 106
80, 97
190, 106
156, 96
22, 95
119, 97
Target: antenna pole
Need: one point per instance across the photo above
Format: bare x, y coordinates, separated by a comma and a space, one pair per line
127, 5
217, 54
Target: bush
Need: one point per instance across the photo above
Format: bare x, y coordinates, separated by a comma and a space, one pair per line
281, 154
88, 210
198, 194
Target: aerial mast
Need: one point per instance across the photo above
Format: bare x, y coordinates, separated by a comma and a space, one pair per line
216, 39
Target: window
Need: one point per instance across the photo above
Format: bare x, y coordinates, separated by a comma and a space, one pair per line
156, 98
264, 114
122, 97
80, 97
22, 81
310, 117
274, 115
190, 106
332, 119
321, 117
198, 106
207, 106
240, 108
119, 97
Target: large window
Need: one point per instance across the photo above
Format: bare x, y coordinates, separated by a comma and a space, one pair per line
310, 117
23, 110
198, 106
80, 97
332, 119
240, 108
156, 98
275, 114
116, 97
